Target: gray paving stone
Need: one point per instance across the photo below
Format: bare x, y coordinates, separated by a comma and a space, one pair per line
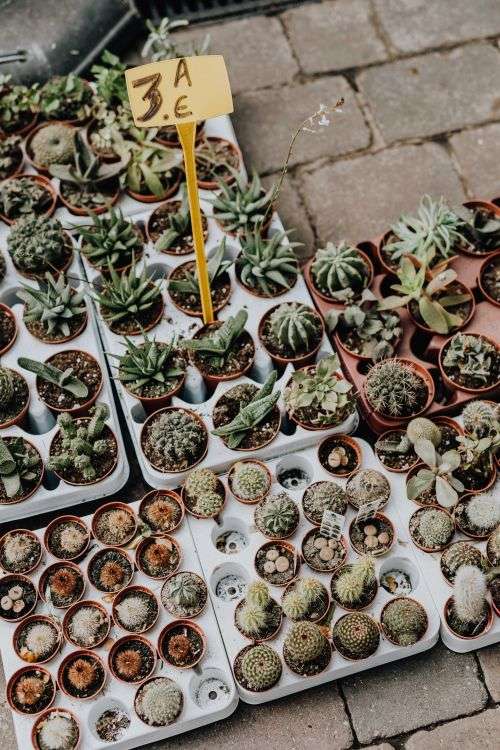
266, 120
478, 153
357, 199
474, 731
317, 715
294, 216
7, 735
489, 658
415, 25
435, 686
333, 36
435, 93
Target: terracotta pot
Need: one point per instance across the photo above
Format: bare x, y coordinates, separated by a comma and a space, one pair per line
306, 425
57, 522
191, 626
153, 240
28, 143
271, 537
108, 432
63, 339
141, 688
107, 156
316, 568
34, 489
250, 638
486, 262
125, 639
140, 329
261, 445
147, 424
189, 311
231, 474
197, 612
14, 679
44, 182
114, 505
238, 235
33, 536
378, 517
347, 440
352, 658
304, 496
95, 211
450, 581
73, 609
7, 311
44, 716
411, 473
17, 167
487, 627
325, 297
104, 270
254, 292
383, 436
42, 583
212, 184
489, 484
432, 549
337, 601
72, 657
175, 143
448, 422
144, 543
222, 493
425, 376
158, 494
361, 357
485, 206
150, 198
463, 290
119, 598
210, 379
451, 383
299, 361
463, 501
291, 549
237, 659
75, 411
21, 416
124, 556
381, 241
384, 629
289, 587
35, 619
15, 578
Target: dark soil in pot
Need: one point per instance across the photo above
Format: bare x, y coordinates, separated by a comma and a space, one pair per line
465, 524
316, 610
220, 290
158, 557
132, 660
278, 349
67, 538
114, 524
20, 551
227, 156
86, 625
469, 629
28, 486
132, 325
470, 382
85, 200
32, 690
277, 563
159, 223
182, 645
37, 639
102, 464
478, 476
237, 360
7, 329
273, 624
15, 157
154, 389
391, 459
449, 436
20, 397
228, 406
323, 496
85, 368
82, 675
110, 570
322, 554
369, 591
490, 278
62, 584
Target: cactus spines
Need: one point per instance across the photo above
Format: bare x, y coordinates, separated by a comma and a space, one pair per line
277, 516
304, 643
479, 417
394, 389
249, 480
258, 594
6, 387
310, 589
208, 504
252, 619
355, 583
339, 271
422, 428
82, 445
294, 328
295, 605
201, 481
435, 528
323, 496
53, 144
305, 600
458, 555
469, 605
366, 486
159, 701
404, 621
202, 493
37, 244
356, 635
260, 668
175, 440
483, 511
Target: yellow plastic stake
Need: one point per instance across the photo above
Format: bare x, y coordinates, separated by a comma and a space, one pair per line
187, 132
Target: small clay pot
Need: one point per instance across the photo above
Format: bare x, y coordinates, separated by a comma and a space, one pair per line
463, 501
193, 613
150, 404
222, 492
148, 540
159, 304
21, 415
347, 440
291, 550
255, 292
212, 184
320, 614
95, 210
393, 469
35, 619
45, 183
34, 489
337, 601
353, 658
122, 595
17, 167
33, 536
16, 578
147, 425
42, 583
446, 612
377, 517
108, 432
24, 129
307, 425
73, 657
309, 276
384, 629
301, 360
8, 312
451, 383
151, 198
56, 271
189, 625
57, 522
64, 339
14, 679
491, 208
251, 461
268, 637
175, 142
157, 495
211, 379
73, 609
115, 505
317, 568
429, 383
486, 262
75, 411
51, 712
118, 644
432, 549
125, 557
198, 313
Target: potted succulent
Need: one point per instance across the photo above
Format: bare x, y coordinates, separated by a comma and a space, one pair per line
67, 98
399, 389
110, 570
242, 205
481, 227
493, 548
356, 636
130, 303
21, 470
322, 553
135, 609
317, 397
367, 486
276, 516
20, 551
30, 690
111, 240
470, 362
203, 494
339, 273
110, 129
18, 597
16, 107
467, 613
132, 659
395, 451
450, 432
55, 313
86, 624
84, 450
161, 510
66, 538
38, 245
372, 536
182, 644
50, 143
489, 278
306, 650
246, 417
431, 528
404, 621
222, 350
442, 305
249, 480
184, 288
459, 554
69, 381
8, 328
81, 675
477, 516
354, 586
168, 228
88, 184
56, 725
184, 594
291, 332
26, 194
11, 156
305, 599
158, 556
267, 267
339, 455
174, 439
61, 584
258, 616
37, 638
114, 524
477, 469
323, 496
216, 159
277, 563
158, 701
257, 668
109, 79
434, 483
14, 397
153, 171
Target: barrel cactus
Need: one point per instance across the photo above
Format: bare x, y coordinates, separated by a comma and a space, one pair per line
422, 428
404, 621
174, 439
339, 271
53, 144
294, 327
37, 244
260, 667
249, 481
295, 605
356, 635
277, 515
394, 389
258, 594
304, 643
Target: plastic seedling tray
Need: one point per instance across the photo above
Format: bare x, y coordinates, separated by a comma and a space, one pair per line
208, 688
40, 425
194, 395
229, 574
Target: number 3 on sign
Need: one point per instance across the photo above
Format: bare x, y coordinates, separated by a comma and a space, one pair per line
171, 92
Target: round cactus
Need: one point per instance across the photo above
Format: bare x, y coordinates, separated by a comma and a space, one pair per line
422, 428
295, 605
311, 589
366, 486
435, 527
294, 327
404, 621
479, 417
277, 515
356, 635
6, 387
183, 589
260, 667
36, 243
251, 619
258, 594
394, 389
304, 642
208, 504
53, 144
159, 702
200, 481
339, 271
249, 481
459, 554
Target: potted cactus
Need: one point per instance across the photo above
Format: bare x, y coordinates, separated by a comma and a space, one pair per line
258, 616
158, 701
56, 313
489, 278
322, 553
174, 439
114, 524
477, 516
249, 480
493, 548
354, 586
8, 328
130, 303
21, 470
216, 159
317, 397
67, 98
66, 538
20, 551
30, 690
39, 245
184, 594
37, 638
161, 510
404, 621
323, 496
291, 332
50, 143
339, 273
257, 668
14, 397
56, 722
467, 613
367, 486
158, 556
84, 450
470, 362
306, 650
374, 535
277, 516
11, 156
339, 455
305, 599
110, 570
203, 494
277, 563
111, 240
398, 389
246, 417
26, 194
182, 644
267, 267
434, 483
16, 107
153, 170
222, 350
356, 636
184, 288
242, 206
431, 528
459, 554
18, 597
169, 227
81, 675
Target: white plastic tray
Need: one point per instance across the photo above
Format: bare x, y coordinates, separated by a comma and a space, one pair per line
214, 664
217, 565
41, 424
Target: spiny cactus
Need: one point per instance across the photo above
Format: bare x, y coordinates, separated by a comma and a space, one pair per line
317, 393
422, 428
483, 511
81, 444
323, 496
252, 619
249, 481
53, 307
295, 605
258, 594
148, 369
394, 389
6, 387
21, 197
37, 244
261, 667
472, 359
268, 266
469, 597
304, 642
176, 438
159, 702
127, 296
354, 581
277, 515
201, 487
356, 635
405, 621
302, 597
460, 554
216, 346
294, 327
310, 589
339, 271
480, 417
110, 239
435, 528
367, 485
437, 477
241, 205
53, 144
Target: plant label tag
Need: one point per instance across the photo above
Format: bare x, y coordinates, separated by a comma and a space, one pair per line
368, 510
332, 524
173, 92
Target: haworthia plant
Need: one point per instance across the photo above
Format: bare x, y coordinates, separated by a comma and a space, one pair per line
62, 378
218, 343
15, 464
250, 415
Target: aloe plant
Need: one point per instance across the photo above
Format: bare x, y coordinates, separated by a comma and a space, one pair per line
110, 239
127, 295
250, 415
216, 267
241, 205
433, 304
64, 379
149, 366
437, 476
54, 306
179, 224
217, 344
267, 265
150, 166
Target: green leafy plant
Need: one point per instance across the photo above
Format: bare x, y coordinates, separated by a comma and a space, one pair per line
64, 379
109, 78
20, 196
149, 367
37, 244
268, 266
17, 463
53, 144
113, 126
65, 98
482, 229
216, 267
472, 356
151, 167
54, 306
241, 205
294, 327
437, 476
339, 271
179, 224
318, 394
16, 104
128, 295
250, 414
81, 444
393, 388
217, 345
111, 239
431, 297
160, 45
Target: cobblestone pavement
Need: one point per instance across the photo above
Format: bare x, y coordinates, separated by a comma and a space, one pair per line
422, 114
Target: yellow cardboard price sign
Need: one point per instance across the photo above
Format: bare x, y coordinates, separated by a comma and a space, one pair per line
183, 92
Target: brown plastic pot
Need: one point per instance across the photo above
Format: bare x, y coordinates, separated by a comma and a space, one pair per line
151, 198
124, 555
147, 424
429, 383
158, 494
44, 716
75, 411
448, 422
147, 540
212, 184
451, 383
140, 329
238, 659
302, 360
21, 416
380, 243
464, 500
117, 644
249, 461
266, 442
50, 569
77, 120
44, 182
63, 339
114, 505
73, 656
486, 262
361, 357
210, 379
33, 619
489, 552
27, 495
290, 586
432, 549
487, 627
108, 432
55, 271
222, 493
7, 311
73, 609
407, 599
358, 658
57, 522
15, 578
337, 601
291, 549
104, 270
311, 532
326, 298
485, 206
390, 468
14, 679
463, 290
269, 637
189, 311
95, 211
150, 404
378, 517
352, 443
306, 425
150, 236
255, 292
28, 143
125, 592
30, 534
182, 623
175, 142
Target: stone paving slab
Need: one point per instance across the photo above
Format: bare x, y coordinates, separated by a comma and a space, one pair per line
482, 731
334, 36
435, 93
432, 687
478, 154
489, 659
416, 25
356, 199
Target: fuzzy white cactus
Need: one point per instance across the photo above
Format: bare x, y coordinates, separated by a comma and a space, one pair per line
483, 511
469, 594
